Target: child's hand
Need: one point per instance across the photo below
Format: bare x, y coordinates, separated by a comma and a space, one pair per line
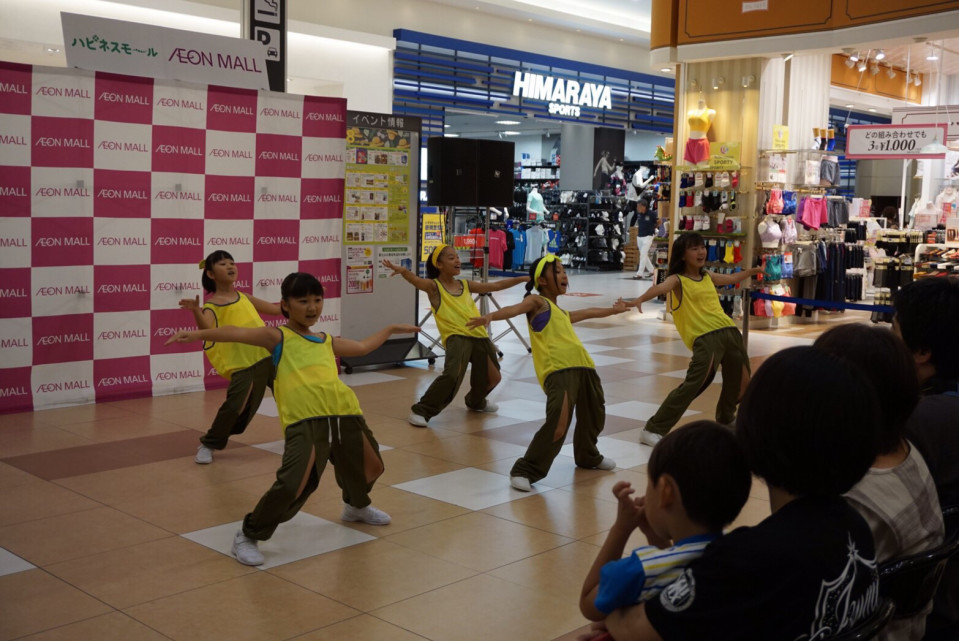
190, 303
638, 305
620, 306
479, 321
405, 329
183, 337
397, 269
627, 512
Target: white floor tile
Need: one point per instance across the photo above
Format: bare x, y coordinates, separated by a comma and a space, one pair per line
673, 348
10, 563
639, 410
625, 453
268, 408
681, 374
470, 488
605, 359
523, 409
368, 378
277, 447
299, 538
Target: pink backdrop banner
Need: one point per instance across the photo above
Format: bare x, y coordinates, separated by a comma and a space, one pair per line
113, 188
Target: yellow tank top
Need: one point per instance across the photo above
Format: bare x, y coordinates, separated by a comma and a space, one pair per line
699, 312
699, 120
556, 346
454, 311
307, 382
227, 358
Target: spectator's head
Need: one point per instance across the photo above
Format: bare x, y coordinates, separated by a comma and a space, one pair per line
927, 317
687, 248
642, 205
888, 365
807, 423
703, 463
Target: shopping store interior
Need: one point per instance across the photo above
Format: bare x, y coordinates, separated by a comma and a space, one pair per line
110, 530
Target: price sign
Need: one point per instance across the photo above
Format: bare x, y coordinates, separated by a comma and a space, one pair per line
892, 141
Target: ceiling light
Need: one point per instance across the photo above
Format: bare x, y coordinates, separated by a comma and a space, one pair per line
932, 56
880, 55
748, 80
917, 79
787, 57
850, 62
511, 133
718, 82
891, 73
53, 50
451, 135
872, 110
854, 57
874, 69
850, 106
862, 65
446, 126
507, 122
666, 70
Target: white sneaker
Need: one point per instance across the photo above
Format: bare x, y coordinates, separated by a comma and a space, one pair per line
245, 550
649, 438
489, 408
204, 456
416, 420
606, 464
520, 483
369, 515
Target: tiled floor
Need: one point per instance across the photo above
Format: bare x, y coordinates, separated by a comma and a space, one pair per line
108, 530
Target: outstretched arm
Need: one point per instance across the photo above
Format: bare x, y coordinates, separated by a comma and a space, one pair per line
720, 280
497, 285
670, 284
349, 347
527, 305
423, 284
265, 307
204, 318
598, 312
266, 337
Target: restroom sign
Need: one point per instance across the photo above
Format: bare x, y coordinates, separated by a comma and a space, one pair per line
566, 97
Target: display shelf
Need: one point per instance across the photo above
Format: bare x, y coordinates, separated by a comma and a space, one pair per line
710, 234
763, 153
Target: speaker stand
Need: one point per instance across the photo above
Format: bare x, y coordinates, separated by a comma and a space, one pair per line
485, 299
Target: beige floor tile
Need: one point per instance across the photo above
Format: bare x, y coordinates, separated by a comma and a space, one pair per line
254, 607
468, 450
196, 509
558, 573
42, 438
403, 465
149, 571
34, 601
560, 512
478, 541
31, 501
115, 625
11, 476
119, 428
361, 628
373, 575
77, 534
482, 608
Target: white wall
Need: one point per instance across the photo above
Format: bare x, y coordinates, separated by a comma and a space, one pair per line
642, 145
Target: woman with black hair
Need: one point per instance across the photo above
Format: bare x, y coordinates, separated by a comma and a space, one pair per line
705, 329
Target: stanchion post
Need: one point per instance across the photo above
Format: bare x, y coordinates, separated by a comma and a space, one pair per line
746, 308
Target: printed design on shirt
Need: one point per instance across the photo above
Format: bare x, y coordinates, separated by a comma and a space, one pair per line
680, 594
836, 609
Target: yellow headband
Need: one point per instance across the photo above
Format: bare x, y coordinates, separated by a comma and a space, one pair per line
203, 264
548, 258
436, 254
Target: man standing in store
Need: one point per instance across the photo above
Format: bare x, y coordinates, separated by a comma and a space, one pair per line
646, 222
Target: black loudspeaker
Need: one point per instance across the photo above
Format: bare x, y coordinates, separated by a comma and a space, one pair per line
463, 172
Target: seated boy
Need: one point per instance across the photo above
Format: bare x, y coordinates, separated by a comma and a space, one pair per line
807, 571
698, 482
